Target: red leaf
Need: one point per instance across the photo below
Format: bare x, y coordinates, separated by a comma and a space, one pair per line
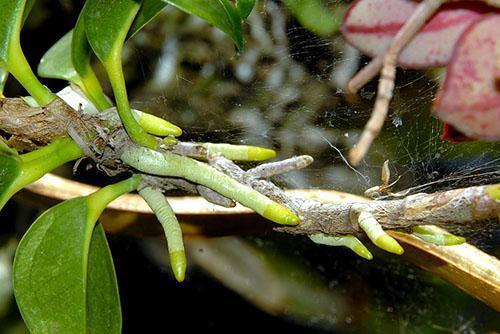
469, 98
370, 25
452, 134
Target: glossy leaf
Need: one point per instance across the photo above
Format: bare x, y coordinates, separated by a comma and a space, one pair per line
245, 7
12, 58
80, 59
80, 47
11, 16
221, 13
10, 170
103, 300
106, 25
56, 62
469, 98
149, 9
27, 9
3, 78
50, 272
4, 74
64, 279
370, 25
314, 15
69, 58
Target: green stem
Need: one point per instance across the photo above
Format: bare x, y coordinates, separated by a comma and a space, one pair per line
173, 233
169, 164
135, 131
42, 161
93, 89
99, 200
21, 70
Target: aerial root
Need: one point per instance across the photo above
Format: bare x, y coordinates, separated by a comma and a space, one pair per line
369, 224
348, 241
428, 234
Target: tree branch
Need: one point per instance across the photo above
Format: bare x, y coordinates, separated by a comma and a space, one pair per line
102, 136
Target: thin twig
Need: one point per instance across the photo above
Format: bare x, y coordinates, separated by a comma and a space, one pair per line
387, 76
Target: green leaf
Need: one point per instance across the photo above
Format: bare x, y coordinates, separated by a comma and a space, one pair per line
103, 299
64, 279
107, 23
220, 13
12, 58
50, 269
3, 78
80, 59
27, 9
69, 58
11, 16
10, 170
315, 16
80, 48
56, 63
245, 7
51, 276
149, 9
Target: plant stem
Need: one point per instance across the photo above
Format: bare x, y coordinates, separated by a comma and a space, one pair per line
93, 90
99, 200
38, 163
21, 70
135, 131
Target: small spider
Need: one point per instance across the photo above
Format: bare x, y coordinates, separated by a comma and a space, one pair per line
385, 64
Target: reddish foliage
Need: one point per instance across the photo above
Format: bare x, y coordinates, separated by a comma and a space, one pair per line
370, 26
469, 98
464, 35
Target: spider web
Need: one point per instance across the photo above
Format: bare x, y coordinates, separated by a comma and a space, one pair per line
287, 91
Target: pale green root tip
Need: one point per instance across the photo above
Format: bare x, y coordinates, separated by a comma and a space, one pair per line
240, 152
427, 233
155, 125
494, 191
170, 140
279, 214
362, 251
178, 263
348, 241
386, 242
259, 153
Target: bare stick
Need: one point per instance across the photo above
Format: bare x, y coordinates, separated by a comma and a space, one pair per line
267, 170
365, 74
214, 197
386, 84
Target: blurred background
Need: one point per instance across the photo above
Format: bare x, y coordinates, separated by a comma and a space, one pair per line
285, 91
